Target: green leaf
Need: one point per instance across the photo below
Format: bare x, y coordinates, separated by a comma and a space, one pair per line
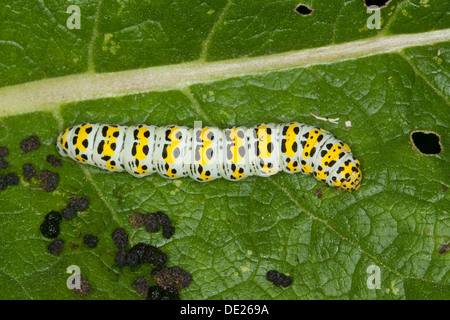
232, 63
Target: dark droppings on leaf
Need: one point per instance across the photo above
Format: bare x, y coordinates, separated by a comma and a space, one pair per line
50, 230
158, 293
120, 238
139, 254
54, 161
48, 180
169, 280
134, 257
155, 293
3, 163
168, 232
121, 257
163, 218
69, 213
171, 294
137, 220
85, 287
56, 246
156, 256
303, 10
30, 144
79, 203
12, 179
152, 223
75, 205
3, 182
4, 151
90, 240
171, 277
145, 253
278, 278
379, 3
50, 226
142, 286
427, 142
28, 171
53, 216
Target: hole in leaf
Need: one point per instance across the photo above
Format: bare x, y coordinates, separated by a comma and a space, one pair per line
427, 142
378, 3
303, 10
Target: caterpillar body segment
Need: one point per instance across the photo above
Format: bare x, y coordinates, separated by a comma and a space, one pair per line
208, 153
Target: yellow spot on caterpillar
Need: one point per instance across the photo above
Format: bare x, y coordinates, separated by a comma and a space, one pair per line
238, 143
143, 141
64, 138
321, 175
204, 177
347, 148
82, 135
110, 166
174, 143
307, 168
264, 139
171, 174
311, 142
140, 170
110, 139
207, 145
291, 167
291, 137
81, 159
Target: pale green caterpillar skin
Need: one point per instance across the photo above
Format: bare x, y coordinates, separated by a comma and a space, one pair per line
208, 153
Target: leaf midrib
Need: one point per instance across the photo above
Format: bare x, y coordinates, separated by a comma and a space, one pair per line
49, 94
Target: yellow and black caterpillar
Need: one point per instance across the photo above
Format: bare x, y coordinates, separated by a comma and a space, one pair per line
209, 153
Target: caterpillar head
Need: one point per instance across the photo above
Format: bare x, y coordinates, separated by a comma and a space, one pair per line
351, 175
353, 181
348, 175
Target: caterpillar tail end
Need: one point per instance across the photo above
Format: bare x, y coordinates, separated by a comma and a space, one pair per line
61, 144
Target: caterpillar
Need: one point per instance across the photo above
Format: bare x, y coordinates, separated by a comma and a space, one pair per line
207, 153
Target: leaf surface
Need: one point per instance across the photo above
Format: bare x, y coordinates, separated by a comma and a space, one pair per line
228, 235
